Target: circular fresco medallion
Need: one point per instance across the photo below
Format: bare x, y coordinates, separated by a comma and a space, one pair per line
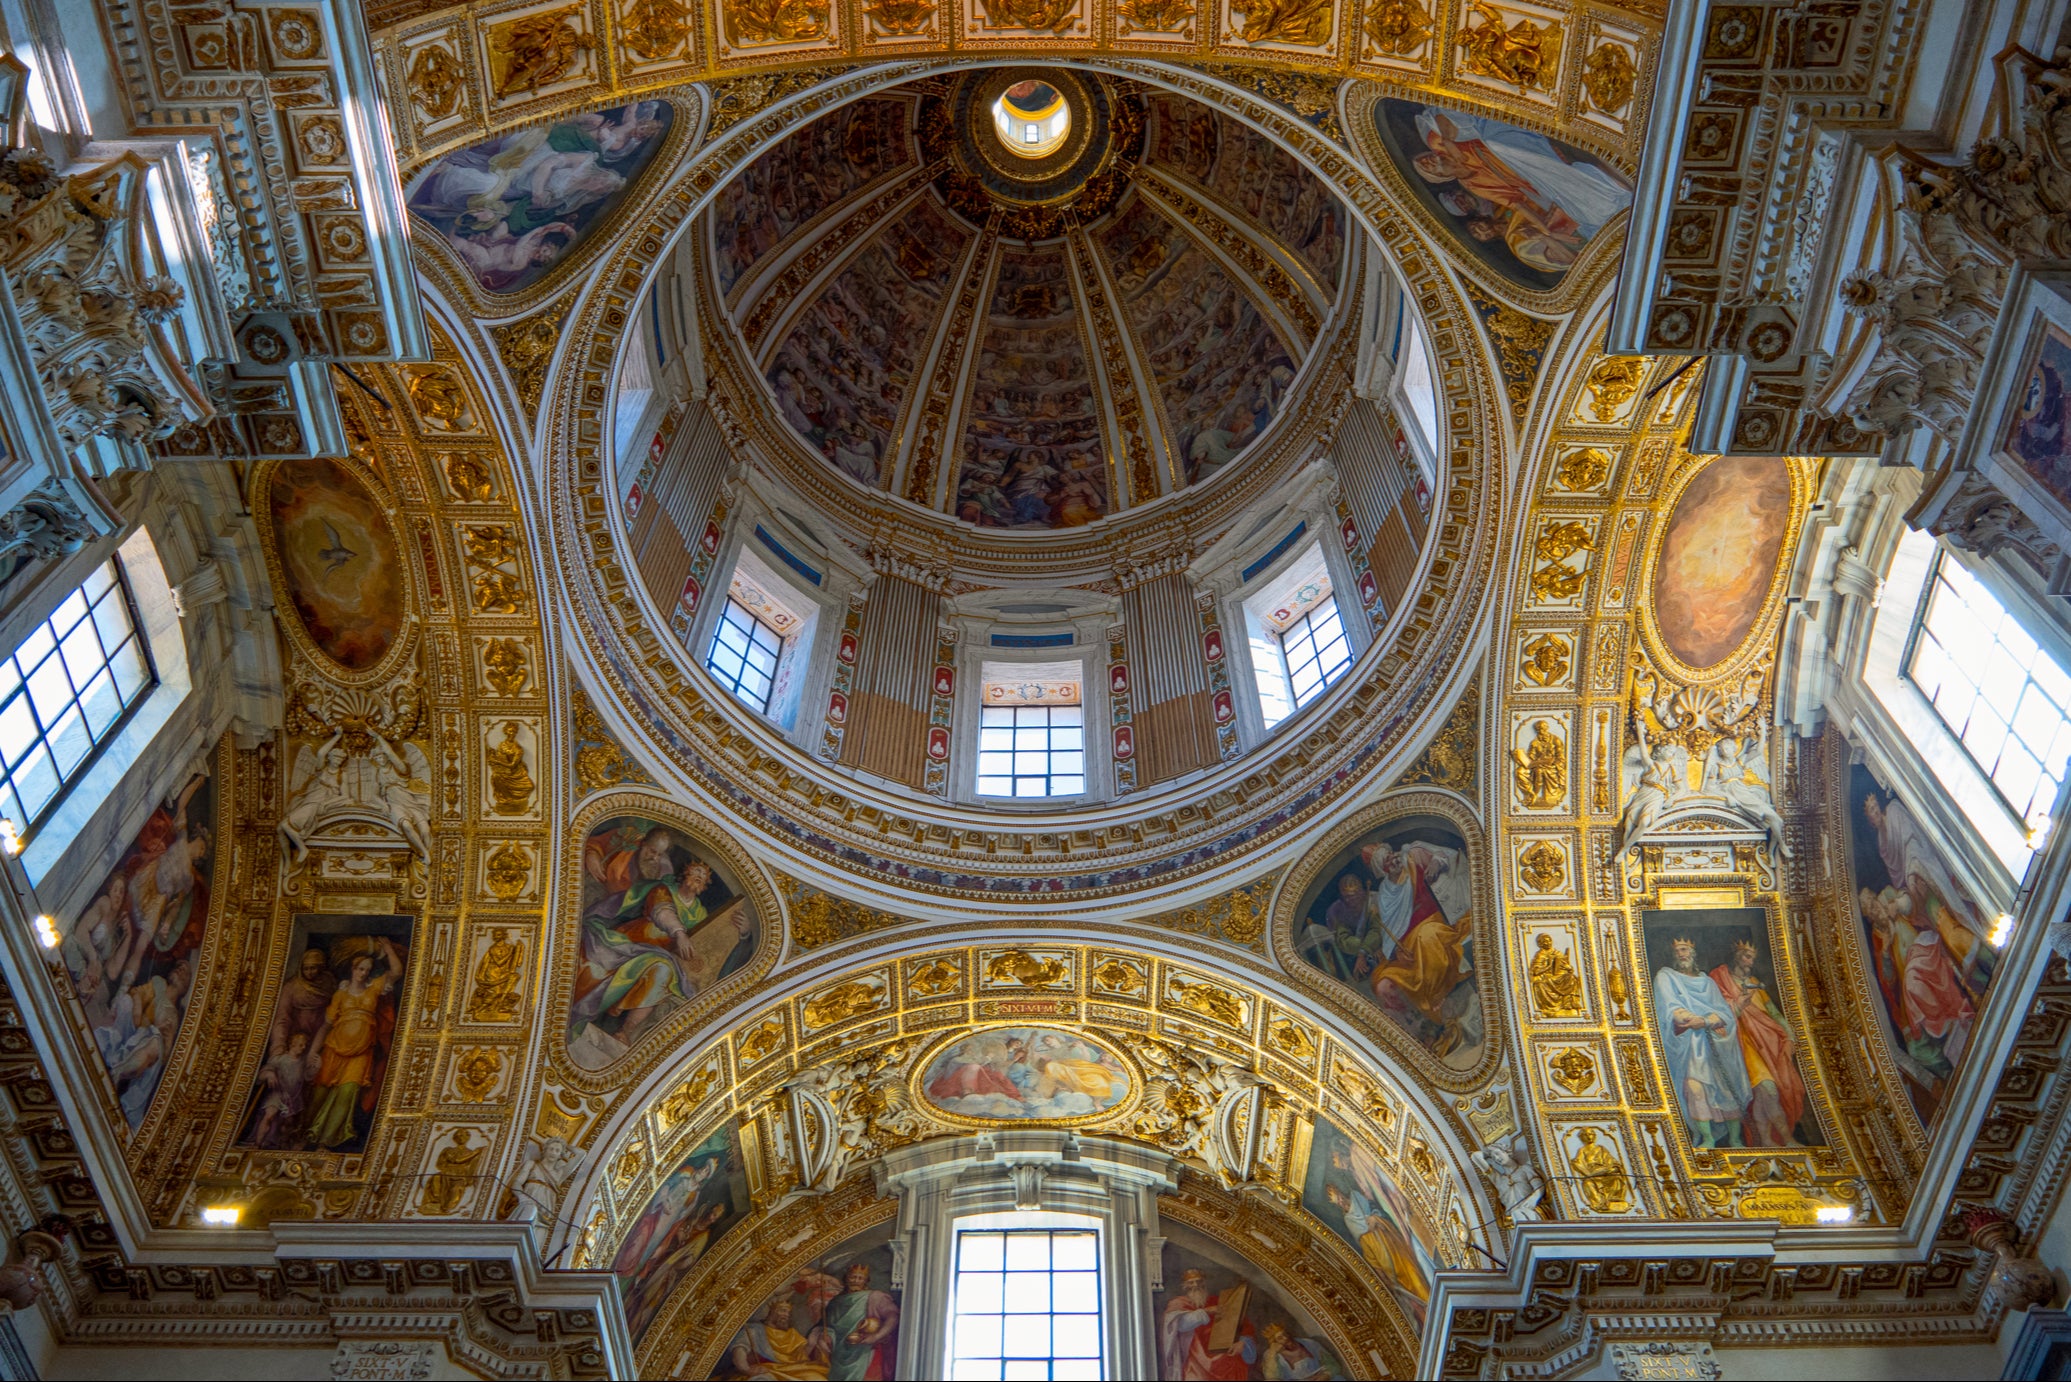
1025, 1075
339, 559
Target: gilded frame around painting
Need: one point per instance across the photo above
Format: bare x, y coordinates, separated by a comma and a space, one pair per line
654, 1047
2017, 440
403, 648
1345, 1001
1757, 642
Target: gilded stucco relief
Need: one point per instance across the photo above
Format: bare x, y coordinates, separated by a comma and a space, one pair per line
1679, 896
1352, 1172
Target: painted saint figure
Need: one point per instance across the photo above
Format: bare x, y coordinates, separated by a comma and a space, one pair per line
1186, 1334
1700, 1035
1768, 1052
346, 1045
649, 942
862, 1331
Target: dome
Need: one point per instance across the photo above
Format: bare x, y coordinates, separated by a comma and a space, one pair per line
1146, 279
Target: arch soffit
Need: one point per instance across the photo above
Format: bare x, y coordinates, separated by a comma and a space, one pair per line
849, 1016
1610, 464
443, 67
604, 599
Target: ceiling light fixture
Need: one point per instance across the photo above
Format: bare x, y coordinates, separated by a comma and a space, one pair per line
46, 932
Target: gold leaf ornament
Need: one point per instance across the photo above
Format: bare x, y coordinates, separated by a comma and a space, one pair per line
1614, 381
777, 21
1151, 17
901, 18
1543, 867
493, 992
507, 870
1398, 28
1041, 16
1573, 1069
1546, 659
1608, 76
1303, 22
1524, 54
536, 50
1206, 1000
477, 1072
843, 1002
655, 29
435, 80
1541, 772
1582, 470
1114, 976
503, 666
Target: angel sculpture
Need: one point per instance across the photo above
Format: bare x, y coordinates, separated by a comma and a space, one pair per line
1508, 1162
316, 788
1654, 776
548, 1164
1738, 773
403, 785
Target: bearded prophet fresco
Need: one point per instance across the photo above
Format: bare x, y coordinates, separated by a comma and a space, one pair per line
1221, 1316
837, 1317
514, 207
327, 1047
1392, 917
133, 950
1523, 204
1732, 1053
1926, 939
1025, 1073
338, 554
1346, 1188
693, 1208
1718, 556
659, 926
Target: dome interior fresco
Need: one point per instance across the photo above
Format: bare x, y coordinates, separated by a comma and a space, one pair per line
1220, 251
1295, 691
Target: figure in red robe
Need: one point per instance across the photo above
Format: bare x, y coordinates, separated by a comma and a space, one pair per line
1768, 1050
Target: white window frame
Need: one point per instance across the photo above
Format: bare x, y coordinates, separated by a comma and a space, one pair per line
106, 780
991, 672
1322, 626
758, 634
1926, 642
1271, 702
1009, 1224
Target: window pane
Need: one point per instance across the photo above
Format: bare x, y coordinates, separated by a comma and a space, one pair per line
1985, 675
1075, 1252
989, 738
1034, 1319
1000, 715
73, 694
1067, 786
995, 786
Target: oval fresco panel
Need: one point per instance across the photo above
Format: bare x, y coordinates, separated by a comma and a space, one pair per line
514, 207
1020, 1074
1718, 556
660, 925
339, 557
1523, 204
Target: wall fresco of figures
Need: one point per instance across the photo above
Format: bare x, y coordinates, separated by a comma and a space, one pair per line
1026, 1074
2038, 432
514, 207
1253, 176
1346, 1187
801, 177
1033, 455
339, 558
1925, 936
329, 1042
1737, 1065
847, 362
1223, 1316
1718, 557
661, 923
837, 1317
1523, 204
1392, 918
695, 1205
133, 950
1221, 370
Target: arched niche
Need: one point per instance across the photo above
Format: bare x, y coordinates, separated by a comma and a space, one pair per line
814, 1100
